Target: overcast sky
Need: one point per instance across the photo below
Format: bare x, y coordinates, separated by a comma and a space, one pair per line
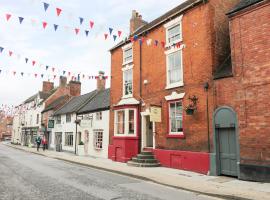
63, 49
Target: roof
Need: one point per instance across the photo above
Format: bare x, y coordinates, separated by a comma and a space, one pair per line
163, 18
225, 70
42, 95
32, 98
100, 102
242, 5
56, 103
74, 104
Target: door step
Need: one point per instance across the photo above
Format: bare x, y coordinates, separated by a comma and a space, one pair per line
144, 159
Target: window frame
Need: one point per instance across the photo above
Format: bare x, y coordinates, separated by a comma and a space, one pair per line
96, 139
98, 116
175, 22
66, 139
58, 119
181, 133
124, 70
181, 82
37, 119
126, 122
126, 48
68, 121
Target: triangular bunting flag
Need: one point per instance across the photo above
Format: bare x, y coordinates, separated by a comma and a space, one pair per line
46, 6
149, 42
91, 24
163, 44
68, 73
21, 19
14, 73
58, 11
114, 37
64, 72
106, 36
110, 30
1, 49
26, 60
156, 42
35, 75
47, 67
44, 24
8, 16
10, 53
22, 73
33, 62
54, 76
119, 33
55, 26
81, 20
42, 75
77, 30
86, 32
53, 69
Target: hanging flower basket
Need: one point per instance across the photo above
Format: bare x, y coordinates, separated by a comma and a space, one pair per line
190, 111
192, 107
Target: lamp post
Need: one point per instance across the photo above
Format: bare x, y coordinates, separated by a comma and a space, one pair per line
77, 121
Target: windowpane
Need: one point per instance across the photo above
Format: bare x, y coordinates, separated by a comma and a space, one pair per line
176, 117
174, 33
120, 122
128, 55
174, 67
68, 118
98, 139
131, 122
128, 82
68, 139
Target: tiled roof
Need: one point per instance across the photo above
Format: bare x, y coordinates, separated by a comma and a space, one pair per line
32, 98
243, 4
100, 102
56, 103
163, 18
74, 104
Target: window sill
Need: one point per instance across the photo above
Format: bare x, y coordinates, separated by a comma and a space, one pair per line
174, 85
127, 96
126, 63
177, 136
173, 43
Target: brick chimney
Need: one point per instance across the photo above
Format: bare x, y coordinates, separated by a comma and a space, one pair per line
47, 86
101, 81
74, 88
136, 21
62, 81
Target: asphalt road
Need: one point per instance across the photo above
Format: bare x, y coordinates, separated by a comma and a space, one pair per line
27, 176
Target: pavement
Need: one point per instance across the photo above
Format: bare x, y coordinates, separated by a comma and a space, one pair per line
221, 187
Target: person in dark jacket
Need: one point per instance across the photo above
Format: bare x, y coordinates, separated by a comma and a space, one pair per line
44, 143
38, 141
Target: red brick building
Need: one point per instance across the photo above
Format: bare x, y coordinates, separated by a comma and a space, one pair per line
5, 126
244, 94
166, 67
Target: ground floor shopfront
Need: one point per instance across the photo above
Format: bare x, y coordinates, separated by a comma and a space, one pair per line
29, 135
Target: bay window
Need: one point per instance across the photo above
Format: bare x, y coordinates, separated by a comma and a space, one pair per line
175, 117
125, 122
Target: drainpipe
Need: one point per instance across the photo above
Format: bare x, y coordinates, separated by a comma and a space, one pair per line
76, 122
206, 87
140, 94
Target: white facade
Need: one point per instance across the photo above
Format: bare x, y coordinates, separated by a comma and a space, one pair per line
16, 130
91, 129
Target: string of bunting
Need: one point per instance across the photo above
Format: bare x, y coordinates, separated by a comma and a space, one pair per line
34, 63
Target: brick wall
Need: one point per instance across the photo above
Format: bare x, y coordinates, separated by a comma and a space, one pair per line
248, 91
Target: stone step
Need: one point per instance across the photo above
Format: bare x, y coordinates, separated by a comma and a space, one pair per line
135, 164
141, 156
135, 159
147, 153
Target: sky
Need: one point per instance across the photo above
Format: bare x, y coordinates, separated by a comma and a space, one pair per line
62, 50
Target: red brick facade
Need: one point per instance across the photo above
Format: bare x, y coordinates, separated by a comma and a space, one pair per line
5, 126
247, 92
205, 45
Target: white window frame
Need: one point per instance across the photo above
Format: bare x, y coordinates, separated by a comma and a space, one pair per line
169, 107
126, 122
68, 114
180, 83
170, 24
66, 137
99, 116
97, 140
57, 118
126, 68
125, 48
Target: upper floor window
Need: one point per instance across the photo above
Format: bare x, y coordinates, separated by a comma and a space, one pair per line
127, 82
58, 119
125, 122
174, 31
68, 118
175, 117
99, 116
174, 69
127, 55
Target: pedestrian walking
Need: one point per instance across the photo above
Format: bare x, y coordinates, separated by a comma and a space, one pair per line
38, 141
44, 143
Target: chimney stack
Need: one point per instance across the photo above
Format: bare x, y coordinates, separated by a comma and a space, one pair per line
136, 21
101, 81
47, 86
62, 81
74, 88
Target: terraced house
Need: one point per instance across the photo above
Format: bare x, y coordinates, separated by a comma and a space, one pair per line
162, 85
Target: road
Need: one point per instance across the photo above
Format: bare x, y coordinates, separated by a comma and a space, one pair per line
26, 176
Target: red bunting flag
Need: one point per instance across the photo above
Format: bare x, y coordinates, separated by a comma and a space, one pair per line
58, 11
53, 69
54, 76
91, 24
44, 24
8, 16
106, 36
163, 44
119, 33
14, 73
178, 45
69, 73
35, 75
77, 30
33, 62
10, 53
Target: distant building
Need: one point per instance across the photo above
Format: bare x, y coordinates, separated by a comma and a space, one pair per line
5, 127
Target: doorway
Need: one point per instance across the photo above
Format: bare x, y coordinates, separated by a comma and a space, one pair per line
226, 142
149, 133
147, 127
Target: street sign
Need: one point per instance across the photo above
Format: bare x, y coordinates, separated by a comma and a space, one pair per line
155, 114
51, 123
